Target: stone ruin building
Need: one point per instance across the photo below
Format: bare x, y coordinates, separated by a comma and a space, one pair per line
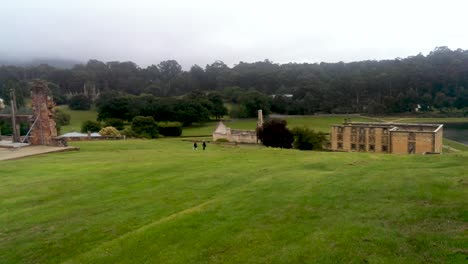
43, 128
238, 135
387, 137
42, 124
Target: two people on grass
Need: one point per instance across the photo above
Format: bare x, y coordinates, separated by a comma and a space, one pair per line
195, 146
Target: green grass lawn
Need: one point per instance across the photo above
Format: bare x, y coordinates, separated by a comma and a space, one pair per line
157, 201
77, 119
454, 145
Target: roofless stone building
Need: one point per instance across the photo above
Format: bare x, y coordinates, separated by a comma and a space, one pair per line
394, 138
238, 135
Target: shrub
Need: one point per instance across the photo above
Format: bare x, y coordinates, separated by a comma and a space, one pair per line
308, 139
109, 132
61, 117
92, 126
222, 140
274, 133
170, 129
115, 122
145, 126
80, 102
128, 132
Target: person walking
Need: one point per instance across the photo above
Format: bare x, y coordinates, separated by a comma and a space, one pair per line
195, 145
204, 145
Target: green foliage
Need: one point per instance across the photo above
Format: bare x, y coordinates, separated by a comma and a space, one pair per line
253, 101
5, 127
21, 89
307, 139
109, 132
121, 107
89, 125
115, 122
145, 126
80, 102
218, 109
62, 118
274, 133
170, 129
222, 140
129, 133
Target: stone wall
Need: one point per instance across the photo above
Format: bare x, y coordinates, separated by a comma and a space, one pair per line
234, 135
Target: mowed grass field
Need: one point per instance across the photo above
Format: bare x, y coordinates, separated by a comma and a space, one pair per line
158, 201
77, 119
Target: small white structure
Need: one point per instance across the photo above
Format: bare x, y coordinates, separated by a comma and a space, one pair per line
237, 135
76, 134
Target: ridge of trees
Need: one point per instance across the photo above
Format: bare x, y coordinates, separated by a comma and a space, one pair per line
438, 80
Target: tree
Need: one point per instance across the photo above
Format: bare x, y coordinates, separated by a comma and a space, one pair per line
145, 126
90, 125
254, 101
218, 110
307, 139
274, 133
61, 117
80, 102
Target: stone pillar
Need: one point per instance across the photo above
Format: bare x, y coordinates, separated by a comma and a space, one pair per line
44, 130
260, 119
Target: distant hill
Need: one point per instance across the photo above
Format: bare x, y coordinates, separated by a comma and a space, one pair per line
54, 62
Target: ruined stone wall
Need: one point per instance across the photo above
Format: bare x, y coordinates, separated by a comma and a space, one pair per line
44, 130
438, 137
399, 142
403, 141
240, 136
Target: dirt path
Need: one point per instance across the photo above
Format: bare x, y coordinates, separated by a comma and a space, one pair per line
20, 152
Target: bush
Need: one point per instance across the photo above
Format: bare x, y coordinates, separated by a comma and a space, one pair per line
145, 126
80, 102
128, 132
109, 132
222, 140
61, 117
115, 122
274, 133
170, 129
308, 139
92, 126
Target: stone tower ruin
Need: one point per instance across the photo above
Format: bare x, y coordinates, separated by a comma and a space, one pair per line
44, 130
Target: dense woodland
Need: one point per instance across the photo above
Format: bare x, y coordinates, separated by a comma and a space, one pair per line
438, 81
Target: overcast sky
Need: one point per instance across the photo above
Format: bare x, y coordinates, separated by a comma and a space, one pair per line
200, 32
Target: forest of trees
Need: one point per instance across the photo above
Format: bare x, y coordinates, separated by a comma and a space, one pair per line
436, 81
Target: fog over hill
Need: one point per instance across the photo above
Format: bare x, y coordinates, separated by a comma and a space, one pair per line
62, 63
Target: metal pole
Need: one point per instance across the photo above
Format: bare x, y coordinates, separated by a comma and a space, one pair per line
16, 136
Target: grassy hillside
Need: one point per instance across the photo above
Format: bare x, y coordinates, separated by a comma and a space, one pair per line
77, 119
157, 201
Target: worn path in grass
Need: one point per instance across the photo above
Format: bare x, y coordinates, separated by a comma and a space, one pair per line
22, 152
158, 201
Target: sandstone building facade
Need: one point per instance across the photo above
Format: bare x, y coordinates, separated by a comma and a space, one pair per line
387, 138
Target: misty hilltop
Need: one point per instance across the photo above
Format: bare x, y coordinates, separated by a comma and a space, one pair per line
60, 63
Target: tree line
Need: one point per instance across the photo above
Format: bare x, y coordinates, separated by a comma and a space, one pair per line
438, 80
